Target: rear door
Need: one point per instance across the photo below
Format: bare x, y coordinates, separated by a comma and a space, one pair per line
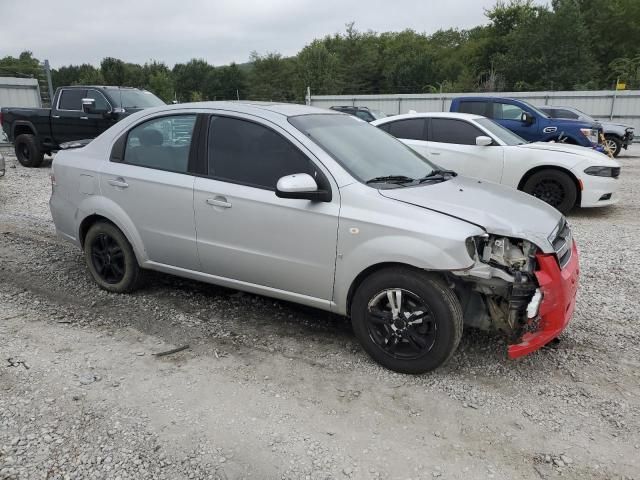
247, 233
149, 180
452, 144
412, 131
68, 121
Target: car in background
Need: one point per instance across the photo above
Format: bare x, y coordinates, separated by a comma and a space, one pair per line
562, 175
528, 121
617, 135
319, 208
78, 113
364, 113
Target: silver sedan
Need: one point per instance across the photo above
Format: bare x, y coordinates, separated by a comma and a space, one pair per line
323, 209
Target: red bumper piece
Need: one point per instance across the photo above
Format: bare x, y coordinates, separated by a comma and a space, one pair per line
559, 288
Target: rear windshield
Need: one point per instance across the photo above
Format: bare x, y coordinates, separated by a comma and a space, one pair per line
133, 98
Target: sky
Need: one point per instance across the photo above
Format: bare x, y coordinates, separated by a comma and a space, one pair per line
221, 32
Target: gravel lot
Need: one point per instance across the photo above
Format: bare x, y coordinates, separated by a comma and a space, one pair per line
271, 390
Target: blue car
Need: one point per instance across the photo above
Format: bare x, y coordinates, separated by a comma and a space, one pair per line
528, 121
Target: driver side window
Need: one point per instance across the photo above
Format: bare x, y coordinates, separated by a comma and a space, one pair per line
505, 111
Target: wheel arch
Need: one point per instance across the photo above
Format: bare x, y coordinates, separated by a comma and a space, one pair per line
21, 127
566, 171
112, 213
370, 270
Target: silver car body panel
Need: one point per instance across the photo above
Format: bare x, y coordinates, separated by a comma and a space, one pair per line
297, 250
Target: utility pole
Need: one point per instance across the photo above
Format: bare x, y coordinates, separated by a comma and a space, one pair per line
308, 102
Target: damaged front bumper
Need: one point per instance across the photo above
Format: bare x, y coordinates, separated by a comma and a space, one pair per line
558, 287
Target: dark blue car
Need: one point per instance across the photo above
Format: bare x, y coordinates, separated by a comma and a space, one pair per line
529, 122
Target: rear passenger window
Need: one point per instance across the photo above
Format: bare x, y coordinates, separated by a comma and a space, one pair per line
410, 129
162, 143
71, 99
446, 130
251, 154
475, 108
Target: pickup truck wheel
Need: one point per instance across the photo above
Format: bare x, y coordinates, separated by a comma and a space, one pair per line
554, 187
110, 259
407, 320
613, 143
28, 151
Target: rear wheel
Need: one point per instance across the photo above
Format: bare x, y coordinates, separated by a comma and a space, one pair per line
554, 187
407, 320
28, 151
110, 259
613, 144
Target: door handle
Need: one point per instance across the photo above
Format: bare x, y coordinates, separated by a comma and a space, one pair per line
218, 202
434, 153
84, 118
55, 116
118, 182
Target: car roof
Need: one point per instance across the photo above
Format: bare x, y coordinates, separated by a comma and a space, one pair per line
114, 87
246, 106
455, 115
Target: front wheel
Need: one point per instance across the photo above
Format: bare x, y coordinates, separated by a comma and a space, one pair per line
613, 144
554, 187
110, 259
407, 320
28, 151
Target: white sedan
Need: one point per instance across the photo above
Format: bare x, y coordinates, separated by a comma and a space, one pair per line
562, 175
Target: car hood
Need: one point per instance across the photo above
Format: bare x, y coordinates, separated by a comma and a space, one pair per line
584, 152
496, 208
565, 122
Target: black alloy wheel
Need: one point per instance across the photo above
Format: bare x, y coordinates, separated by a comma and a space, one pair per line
400, 324
549, 190
108, 258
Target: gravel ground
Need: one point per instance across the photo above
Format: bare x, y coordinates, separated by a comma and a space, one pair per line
270, 390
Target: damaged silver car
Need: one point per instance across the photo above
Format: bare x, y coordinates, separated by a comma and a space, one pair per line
323, 209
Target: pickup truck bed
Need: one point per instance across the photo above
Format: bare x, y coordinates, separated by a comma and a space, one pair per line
78, 113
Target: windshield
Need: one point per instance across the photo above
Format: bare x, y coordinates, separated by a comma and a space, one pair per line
377, 114
365, 151
129, 98
501, 133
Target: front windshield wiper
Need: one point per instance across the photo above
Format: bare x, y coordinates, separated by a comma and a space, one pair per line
438, 174
391, 179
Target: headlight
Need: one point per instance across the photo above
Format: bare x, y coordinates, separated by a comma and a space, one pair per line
471, 247
591, 134
603, 171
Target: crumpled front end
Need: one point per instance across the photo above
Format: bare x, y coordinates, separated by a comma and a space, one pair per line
516, 288
558, 287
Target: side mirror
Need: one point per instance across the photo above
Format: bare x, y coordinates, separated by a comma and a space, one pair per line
88, 105
527, 118
484, 141
301, 186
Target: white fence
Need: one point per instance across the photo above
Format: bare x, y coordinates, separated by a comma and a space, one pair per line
18, 92
621, 106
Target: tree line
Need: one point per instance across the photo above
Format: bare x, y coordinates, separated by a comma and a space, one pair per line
567, 45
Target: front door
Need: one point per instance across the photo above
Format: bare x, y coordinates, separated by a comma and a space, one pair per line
152, 186
509, 116
245, 232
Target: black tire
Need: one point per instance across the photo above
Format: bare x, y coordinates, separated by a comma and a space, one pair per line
28, 151
614, 143
554, 187
394, 343
110, 259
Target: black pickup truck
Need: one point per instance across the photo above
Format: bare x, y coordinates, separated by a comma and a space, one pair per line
78, 113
